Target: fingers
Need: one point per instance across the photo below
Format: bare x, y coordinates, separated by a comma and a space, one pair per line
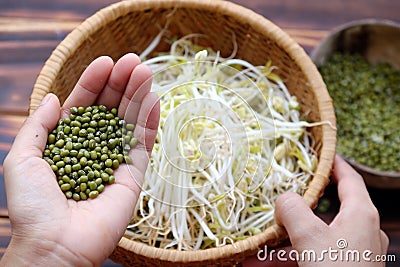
147, 122
138, 87
292, 212
356, 205
126, 84
146, 131
351, 187
90, 84
119, 77
32, 136
131, 176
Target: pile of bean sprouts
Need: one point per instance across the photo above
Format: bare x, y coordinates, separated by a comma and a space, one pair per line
230, 141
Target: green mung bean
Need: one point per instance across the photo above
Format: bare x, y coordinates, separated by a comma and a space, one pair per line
103, 157
87, 169
92, 185
96, 166
76, 167
108, 163
83, 178
67, 129
83, 186
100, 188
60, 164
61, 171
72, 183
51, 139
68, 146
76, 197
93, 194
64, 153
83, 161
90, 175
105, 177
65, 187
130, 126
66, 179
115, 163
120, 158
109, 171
133, 142
83, 196
99, 181
113, 122
68, 169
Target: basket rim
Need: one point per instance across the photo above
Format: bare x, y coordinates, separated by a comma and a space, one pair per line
261, 24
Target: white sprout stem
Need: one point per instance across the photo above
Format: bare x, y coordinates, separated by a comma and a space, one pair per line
152, 45
204, 226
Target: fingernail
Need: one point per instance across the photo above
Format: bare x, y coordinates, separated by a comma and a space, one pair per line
45, 100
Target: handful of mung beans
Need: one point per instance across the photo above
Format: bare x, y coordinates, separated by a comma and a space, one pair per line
85, 149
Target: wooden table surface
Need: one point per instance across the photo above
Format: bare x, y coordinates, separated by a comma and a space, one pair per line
31, 29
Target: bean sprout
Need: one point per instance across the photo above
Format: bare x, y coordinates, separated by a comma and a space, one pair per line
230, 141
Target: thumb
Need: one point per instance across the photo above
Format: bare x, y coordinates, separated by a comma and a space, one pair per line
32, 137
292, 212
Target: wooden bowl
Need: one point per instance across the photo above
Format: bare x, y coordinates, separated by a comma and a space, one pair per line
130, 26
377, 41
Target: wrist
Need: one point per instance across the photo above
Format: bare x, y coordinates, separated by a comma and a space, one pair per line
22, 252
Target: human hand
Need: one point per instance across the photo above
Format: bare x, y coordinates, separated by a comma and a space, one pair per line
48, 229
355, 228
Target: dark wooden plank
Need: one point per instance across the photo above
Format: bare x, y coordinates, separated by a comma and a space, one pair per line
307, 12
312, 14
17, 29
38, 36
3, 213
14, 51
9, 126
76, 9
5, 233
16, 83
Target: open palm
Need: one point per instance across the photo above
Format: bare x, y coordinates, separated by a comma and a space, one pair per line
80, 233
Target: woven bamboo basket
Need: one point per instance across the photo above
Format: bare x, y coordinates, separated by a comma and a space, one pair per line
130, 26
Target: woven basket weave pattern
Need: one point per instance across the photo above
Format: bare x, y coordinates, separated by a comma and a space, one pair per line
130, 26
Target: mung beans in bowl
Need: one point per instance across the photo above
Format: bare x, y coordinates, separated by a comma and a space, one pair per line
360, 64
